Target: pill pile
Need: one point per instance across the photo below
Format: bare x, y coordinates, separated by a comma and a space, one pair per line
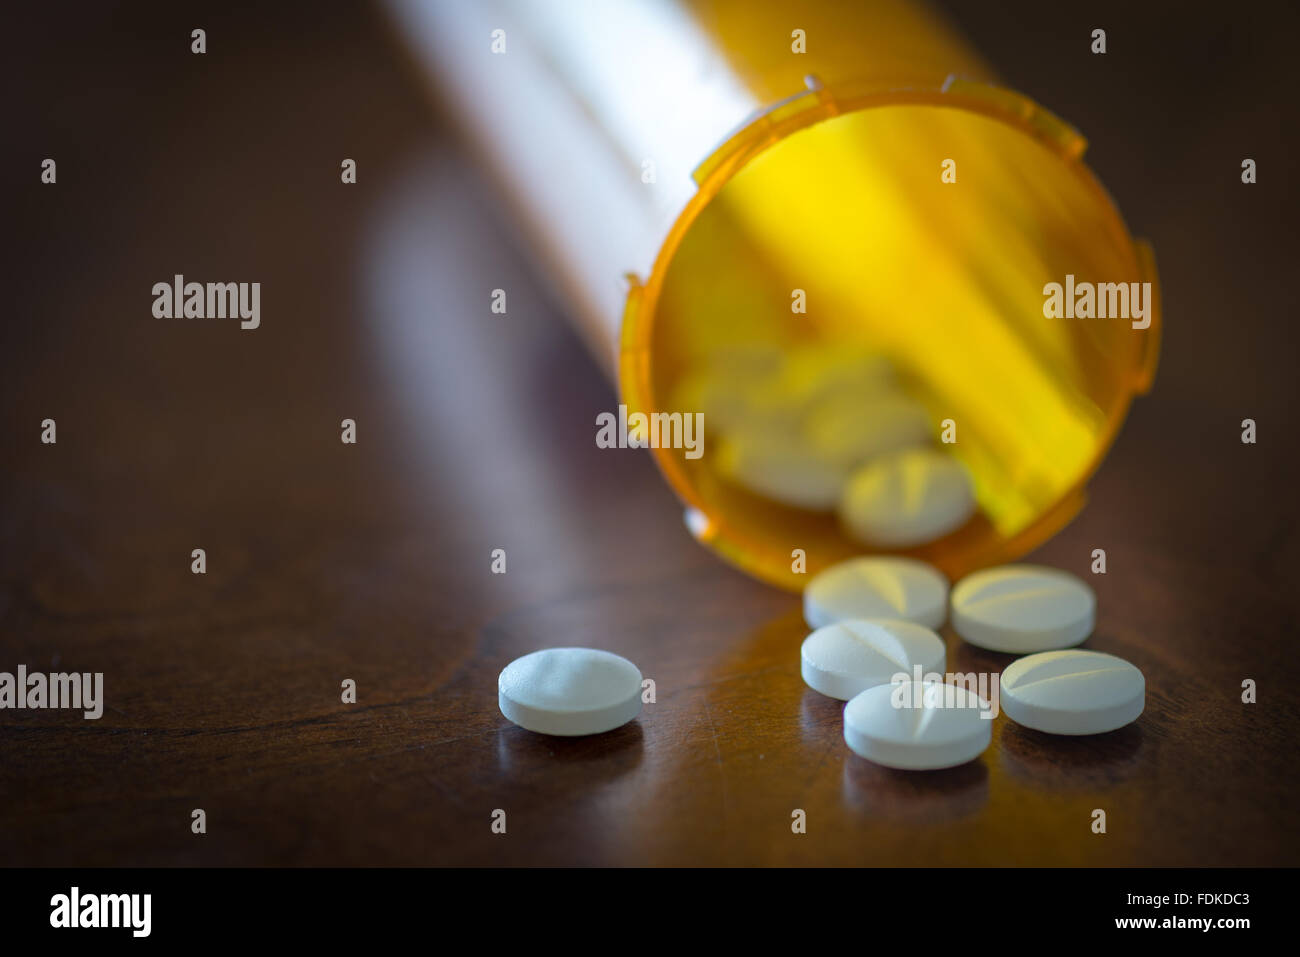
830, 430
874, 620
839, 431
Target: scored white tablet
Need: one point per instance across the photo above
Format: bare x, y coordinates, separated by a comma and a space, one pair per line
848, 657
1021, 609
1073, 692
872, 587
917, 726
907, 498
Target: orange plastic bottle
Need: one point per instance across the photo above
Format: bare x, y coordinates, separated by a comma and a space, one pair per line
696, 174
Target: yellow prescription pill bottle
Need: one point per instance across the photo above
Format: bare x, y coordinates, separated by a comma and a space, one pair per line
826, 227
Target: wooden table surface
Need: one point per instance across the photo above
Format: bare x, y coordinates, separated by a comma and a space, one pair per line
371, 562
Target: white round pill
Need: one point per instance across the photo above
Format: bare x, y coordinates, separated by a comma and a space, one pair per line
779, 465
872, 587
730, 401
1021, 609
814, 372
570, 691
844, 659
917, 725
722, 402
1072, 692
854, 427
907, 498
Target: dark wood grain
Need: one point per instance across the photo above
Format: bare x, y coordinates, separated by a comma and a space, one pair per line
371, 561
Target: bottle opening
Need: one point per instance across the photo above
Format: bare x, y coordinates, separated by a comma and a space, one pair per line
862, 282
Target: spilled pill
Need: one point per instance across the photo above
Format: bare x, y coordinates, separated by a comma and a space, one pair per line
917, 725
1073, 692
570, 691
1022, 609
877, 587
907, 498
844, 659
